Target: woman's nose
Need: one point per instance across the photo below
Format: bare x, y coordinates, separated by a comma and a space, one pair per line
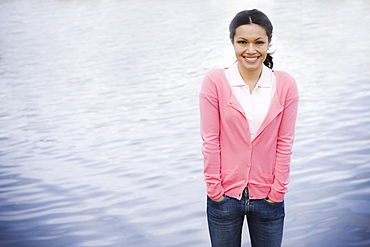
250, 49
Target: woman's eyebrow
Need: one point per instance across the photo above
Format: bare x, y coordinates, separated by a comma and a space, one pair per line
247, 39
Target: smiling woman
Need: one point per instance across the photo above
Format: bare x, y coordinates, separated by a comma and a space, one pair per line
251, 44
248, 114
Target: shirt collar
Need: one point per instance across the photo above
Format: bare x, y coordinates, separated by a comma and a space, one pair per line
236, 79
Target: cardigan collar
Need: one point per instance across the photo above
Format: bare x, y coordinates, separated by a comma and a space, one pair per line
236, 79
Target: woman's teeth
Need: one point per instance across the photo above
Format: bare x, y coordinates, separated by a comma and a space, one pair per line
251, 59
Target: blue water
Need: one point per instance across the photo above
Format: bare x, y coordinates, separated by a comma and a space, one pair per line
99, 120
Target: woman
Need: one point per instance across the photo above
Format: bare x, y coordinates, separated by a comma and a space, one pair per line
248, 114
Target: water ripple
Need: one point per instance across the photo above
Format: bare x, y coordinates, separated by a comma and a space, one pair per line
99, 132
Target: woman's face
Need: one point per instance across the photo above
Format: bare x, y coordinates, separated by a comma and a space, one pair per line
250, 44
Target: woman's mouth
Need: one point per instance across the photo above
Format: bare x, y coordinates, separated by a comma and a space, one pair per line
251, 59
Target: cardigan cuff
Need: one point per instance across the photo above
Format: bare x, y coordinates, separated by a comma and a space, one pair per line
276, 196
215, 191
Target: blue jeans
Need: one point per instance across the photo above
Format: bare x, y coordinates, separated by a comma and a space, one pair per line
225, 221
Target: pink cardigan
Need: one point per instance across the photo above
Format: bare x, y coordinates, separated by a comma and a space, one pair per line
231, 160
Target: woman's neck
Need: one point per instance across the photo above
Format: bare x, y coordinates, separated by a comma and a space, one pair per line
251, 77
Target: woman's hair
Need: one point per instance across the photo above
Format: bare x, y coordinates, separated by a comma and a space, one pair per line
253, 16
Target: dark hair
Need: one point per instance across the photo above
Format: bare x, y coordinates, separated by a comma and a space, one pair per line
253, 16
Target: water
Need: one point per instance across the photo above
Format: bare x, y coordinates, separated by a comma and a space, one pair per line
99, 139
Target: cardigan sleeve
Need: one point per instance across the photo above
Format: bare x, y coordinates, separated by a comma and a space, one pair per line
285, 143
210, 133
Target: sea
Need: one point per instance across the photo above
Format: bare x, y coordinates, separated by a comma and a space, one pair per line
99, 119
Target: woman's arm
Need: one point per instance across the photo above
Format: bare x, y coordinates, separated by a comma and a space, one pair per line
210, 132
285, 144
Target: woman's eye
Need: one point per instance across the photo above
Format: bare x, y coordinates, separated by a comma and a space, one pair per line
260, 42
242, 42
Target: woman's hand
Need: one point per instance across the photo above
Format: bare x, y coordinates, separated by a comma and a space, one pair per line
220, 199
270, 201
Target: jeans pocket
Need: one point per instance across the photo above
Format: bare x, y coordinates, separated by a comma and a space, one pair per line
272, 203
227, 208
223, 199
209, 200
267, 210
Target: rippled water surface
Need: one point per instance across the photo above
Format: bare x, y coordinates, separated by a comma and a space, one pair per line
99, 119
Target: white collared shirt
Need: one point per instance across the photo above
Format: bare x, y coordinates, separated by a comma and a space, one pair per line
257, 103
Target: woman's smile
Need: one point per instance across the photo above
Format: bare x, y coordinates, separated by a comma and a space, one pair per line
250, 59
